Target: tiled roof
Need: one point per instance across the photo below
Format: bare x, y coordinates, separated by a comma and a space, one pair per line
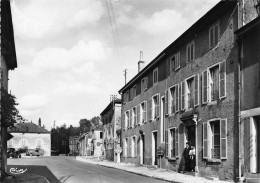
27, 128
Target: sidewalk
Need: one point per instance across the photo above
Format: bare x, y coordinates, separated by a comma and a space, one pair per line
161, 174
25, 178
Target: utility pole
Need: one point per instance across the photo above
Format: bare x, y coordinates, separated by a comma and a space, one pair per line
125, 73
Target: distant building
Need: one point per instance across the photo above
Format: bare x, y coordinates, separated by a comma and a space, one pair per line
111, 119
30, 136
73, 145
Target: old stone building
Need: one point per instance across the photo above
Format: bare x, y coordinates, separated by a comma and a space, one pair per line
111, 119
189, 93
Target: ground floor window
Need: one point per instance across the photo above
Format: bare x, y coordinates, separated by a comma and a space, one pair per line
215, 139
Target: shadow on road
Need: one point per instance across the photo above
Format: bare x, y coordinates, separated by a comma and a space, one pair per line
32, 169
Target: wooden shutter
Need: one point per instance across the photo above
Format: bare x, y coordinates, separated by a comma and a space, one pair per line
124, 147
176, 142
177, 97
183, 95
135, 147
166, 102
223, 138
135, 116
169, 101
204, 87
125, 120
158, 106
166, 141
138, 114
196, 90
205, 140
222, 80
130, 146
150, 109
131, 118
145, 113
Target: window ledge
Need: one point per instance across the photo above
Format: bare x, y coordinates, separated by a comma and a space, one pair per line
214, 47
214, 160
212, 103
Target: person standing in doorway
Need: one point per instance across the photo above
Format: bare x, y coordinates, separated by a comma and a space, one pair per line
187, 156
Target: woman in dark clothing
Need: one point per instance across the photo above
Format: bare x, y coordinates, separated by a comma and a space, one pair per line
187, 156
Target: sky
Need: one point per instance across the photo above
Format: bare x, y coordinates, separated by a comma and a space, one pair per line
72, 54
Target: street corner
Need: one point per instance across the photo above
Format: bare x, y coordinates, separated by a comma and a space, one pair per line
30, 173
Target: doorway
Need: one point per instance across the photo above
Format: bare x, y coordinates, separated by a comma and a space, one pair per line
191, 135
154, 148
142, 148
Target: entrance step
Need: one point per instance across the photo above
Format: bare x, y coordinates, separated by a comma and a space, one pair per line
194, 174
214, 178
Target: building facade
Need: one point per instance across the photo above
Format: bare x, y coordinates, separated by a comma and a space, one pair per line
111, 119
188, 93
7, 62
30, 136
73, 145
248, 38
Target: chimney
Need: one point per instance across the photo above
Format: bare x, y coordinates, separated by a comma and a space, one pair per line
141, 62
40, 122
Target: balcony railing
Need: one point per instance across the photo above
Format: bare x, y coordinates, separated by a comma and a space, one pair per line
215, 152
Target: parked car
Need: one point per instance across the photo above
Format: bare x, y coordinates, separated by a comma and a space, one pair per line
35, 152
12, 153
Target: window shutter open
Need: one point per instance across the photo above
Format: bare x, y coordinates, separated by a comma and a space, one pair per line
223, 139
145, 111
166, 143
166, 102
204, 87
150, 109
196, 90
169, 101
183, 95
131, 118
205, 140
135, 147
176, 142
222, 80
130, 147
177, 97
158, 106
138, 114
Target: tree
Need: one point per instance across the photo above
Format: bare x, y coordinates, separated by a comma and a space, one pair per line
85, 125
9, 113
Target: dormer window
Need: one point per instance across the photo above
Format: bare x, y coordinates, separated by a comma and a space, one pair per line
190, 51
213, 35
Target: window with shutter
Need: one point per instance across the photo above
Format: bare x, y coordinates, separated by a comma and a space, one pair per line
145, 112
134, 117
150, 109
172, 99
189, 93
190, 51
131, 118
169, 101
139, 114
222, 80
223, 139
182, 95
155, 76
213, 35
177, 97
205, 140
204, 87
166, 102
196, 91
176, 142
172, 142
158, 106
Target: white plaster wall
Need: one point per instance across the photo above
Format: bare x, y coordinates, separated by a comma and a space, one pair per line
31, 141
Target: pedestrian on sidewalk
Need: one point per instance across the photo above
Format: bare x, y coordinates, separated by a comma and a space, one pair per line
187, 156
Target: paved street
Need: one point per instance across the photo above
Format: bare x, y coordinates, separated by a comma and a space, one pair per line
67, 169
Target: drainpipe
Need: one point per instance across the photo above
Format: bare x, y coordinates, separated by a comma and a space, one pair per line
195, 119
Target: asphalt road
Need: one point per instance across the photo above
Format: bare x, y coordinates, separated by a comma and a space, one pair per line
63, 169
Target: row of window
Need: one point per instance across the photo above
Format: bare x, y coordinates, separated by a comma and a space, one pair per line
214, 141
182, 96
175, 60
24, 142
